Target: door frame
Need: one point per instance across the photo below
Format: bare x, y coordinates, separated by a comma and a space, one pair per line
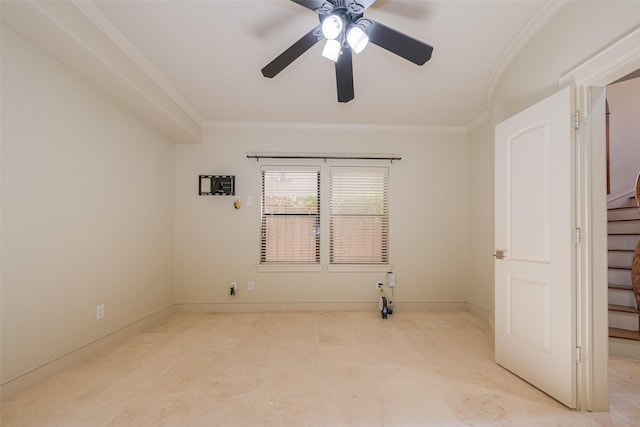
591, 77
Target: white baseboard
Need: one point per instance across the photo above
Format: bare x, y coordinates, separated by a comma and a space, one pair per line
624, 348
481, 312
313, 306
22, 382
432, 306
273, 307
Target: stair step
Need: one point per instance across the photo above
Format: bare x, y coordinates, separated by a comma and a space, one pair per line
622, 320
620, 287
625, 226
620, 267
623, 309
630, 202
621, 298
624, 333
620, 208
620, 257
620, 277
623, 213
621, 241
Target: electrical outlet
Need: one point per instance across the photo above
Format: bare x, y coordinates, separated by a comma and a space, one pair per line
100, 312
250, 286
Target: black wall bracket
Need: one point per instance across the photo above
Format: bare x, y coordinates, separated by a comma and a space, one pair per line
216, 185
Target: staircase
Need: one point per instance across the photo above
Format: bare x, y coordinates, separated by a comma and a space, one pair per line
624, 234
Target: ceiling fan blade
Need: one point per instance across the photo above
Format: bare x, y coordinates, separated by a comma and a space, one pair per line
292, 53
312, 4
344, 76
325, 7
402, 45
365, 3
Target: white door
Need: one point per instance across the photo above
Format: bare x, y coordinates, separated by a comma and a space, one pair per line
534, 227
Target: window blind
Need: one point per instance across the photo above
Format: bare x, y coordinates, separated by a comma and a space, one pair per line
290, 215
359, 215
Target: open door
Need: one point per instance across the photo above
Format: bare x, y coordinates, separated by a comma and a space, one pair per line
535, 303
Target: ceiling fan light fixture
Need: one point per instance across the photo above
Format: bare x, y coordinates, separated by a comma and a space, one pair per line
332, 27
357, 39
338, 19
332, 50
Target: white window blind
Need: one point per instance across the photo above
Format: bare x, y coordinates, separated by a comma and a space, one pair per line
290, 215
359, 215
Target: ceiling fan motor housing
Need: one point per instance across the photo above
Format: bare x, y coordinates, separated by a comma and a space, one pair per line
348, 11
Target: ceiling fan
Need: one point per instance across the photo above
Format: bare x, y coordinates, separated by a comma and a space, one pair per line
343, 25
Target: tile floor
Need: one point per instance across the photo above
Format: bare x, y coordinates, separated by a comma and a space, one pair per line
309, 369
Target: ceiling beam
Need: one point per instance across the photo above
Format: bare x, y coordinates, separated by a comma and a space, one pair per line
73, 35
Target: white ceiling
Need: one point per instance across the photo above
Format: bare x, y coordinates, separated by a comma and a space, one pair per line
207, 56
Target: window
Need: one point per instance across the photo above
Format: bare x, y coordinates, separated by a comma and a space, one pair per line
290, 215
359, 215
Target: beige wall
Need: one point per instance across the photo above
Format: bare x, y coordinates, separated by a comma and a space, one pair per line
87, 212
579, 31
624, 105
216, 244
480, 166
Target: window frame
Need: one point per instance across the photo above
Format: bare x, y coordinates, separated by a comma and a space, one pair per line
324, 165
363, 180
264, 262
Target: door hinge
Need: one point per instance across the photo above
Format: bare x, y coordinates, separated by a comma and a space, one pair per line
577, 356
577, 235
576, 120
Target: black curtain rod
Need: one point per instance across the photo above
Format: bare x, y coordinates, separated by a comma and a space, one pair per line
258, 157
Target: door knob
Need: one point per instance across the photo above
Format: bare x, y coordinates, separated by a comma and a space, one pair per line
500, 254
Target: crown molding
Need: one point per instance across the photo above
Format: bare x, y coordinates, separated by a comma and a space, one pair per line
350, 127
611, 64
545, 14
478, 121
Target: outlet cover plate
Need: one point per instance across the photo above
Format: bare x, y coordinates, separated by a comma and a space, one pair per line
100, 312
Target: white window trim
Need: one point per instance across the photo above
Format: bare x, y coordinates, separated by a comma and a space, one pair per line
288, 268
359, 268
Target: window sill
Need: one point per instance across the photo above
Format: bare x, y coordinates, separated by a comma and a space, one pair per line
359, 268
288, 268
